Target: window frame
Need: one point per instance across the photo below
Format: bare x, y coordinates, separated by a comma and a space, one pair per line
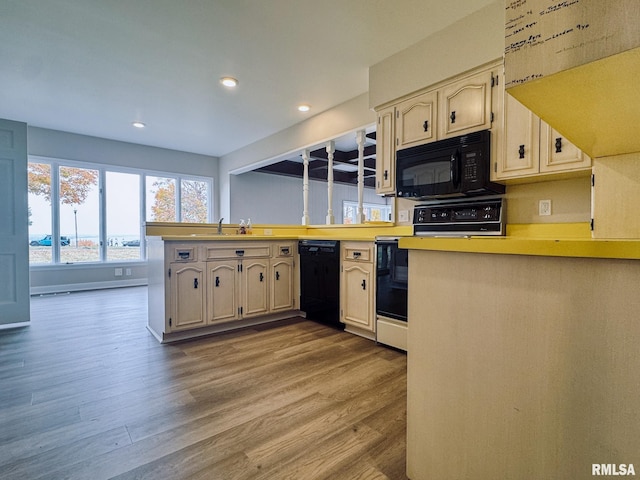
56, 163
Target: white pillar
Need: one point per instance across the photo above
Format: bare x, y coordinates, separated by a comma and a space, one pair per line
360, 139
331, 148
305, 187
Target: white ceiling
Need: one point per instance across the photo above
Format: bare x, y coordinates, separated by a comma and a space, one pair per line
94, 66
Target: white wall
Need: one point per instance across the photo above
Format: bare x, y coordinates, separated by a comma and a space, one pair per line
267, 198
350, 116
470, 42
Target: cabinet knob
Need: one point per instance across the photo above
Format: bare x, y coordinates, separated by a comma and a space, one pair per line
277, 275
261, 276
217, 281
195, 283
521, 151
364, 284
453, 117
425, 125
559, 145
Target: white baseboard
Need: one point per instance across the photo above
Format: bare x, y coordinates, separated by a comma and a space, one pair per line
78, 287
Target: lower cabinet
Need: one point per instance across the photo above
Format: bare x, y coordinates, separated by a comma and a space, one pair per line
237, 289
187, 292
195, 285
282, 283
357, 288
222, 290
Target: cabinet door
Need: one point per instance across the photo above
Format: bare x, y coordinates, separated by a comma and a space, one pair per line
520, 156
223, 304
187, 296
357, 295
557, 154
255, 287
466, 105
415, 120
282, 285
385, 152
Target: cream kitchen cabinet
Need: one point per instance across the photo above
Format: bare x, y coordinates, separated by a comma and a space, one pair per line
386, 152
458, 106
531, 147
282, 274
466, 104
416, 120
187, 291
200, 287
238, 281
357, 288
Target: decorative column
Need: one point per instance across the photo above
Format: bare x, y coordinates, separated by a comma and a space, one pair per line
305, 187
360, 139
331, 149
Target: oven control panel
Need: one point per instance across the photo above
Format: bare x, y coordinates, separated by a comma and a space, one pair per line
460, 218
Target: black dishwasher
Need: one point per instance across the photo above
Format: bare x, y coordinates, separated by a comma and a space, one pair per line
320, 280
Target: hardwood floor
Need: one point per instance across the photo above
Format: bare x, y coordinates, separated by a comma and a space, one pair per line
87, 393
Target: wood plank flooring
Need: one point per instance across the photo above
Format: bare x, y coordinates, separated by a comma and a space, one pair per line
87, 393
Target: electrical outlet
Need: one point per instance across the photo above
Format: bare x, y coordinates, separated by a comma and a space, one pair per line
544, 207
127, 272
268, 231
118, 272
403, 216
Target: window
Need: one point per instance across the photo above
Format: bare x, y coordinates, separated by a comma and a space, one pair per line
123, 216
79, 214
372, 212
97, 211
161, 199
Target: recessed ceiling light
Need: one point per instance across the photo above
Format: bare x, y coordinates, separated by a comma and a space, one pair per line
304, 107
229, 82
138, 124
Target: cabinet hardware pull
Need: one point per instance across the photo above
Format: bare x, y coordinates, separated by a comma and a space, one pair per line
453, 117
521, 151
364, 284
559, 145
285, 251
240, 253
277, 275
357, 254
261, 276
183, 255
386, 174
217, 281
425, 125
195, 283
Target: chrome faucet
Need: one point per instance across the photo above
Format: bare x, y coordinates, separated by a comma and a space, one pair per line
220, 226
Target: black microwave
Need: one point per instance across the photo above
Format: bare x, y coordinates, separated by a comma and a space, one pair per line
453, 167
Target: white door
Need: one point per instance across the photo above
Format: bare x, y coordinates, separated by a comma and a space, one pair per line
14, 234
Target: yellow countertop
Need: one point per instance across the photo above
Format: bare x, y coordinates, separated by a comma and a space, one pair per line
568, 241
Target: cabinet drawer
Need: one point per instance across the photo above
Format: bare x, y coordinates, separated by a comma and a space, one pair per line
238, 251
357, 251
283, 250
183, 253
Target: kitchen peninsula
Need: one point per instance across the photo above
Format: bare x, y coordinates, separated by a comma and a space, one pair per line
523, 356
203, 282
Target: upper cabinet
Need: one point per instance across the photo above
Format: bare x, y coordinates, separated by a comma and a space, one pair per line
385, 152
416, 120
530, 147
466, 105
458, 106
